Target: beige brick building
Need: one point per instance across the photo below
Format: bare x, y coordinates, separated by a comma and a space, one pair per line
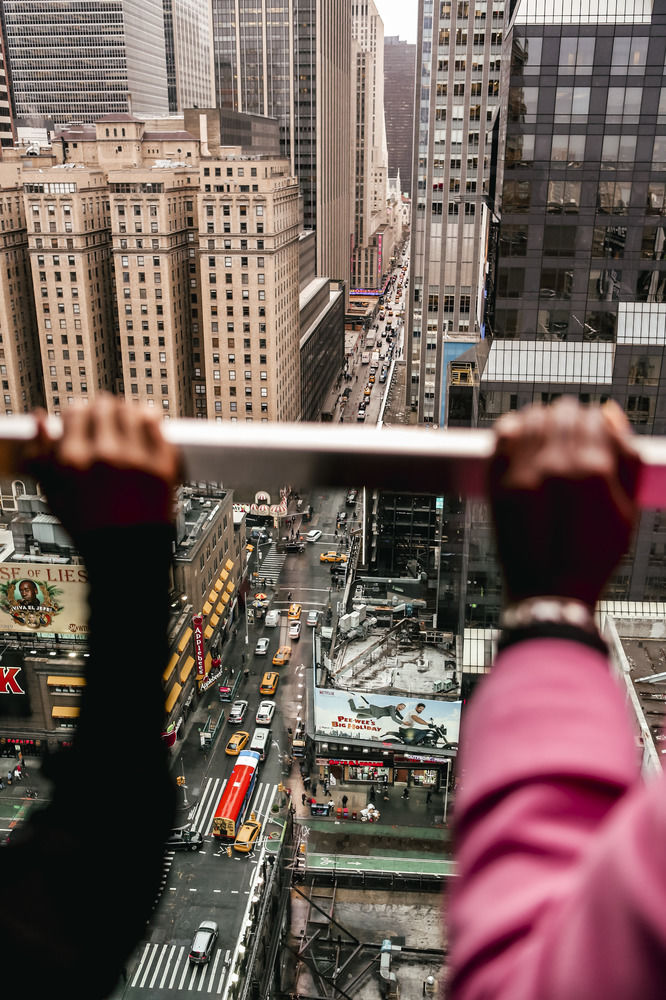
162, 267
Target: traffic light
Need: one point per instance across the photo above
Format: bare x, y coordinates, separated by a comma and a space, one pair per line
180, 780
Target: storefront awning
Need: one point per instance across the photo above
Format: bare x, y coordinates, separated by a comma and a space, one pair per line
218, 586
172, 697
224, 575
170, 667
206, 609
208, 632
65, 712
229, 564
73, 682
186, 669
212, 597
225, 598
231, 586
185, 638
220, 606
214, 619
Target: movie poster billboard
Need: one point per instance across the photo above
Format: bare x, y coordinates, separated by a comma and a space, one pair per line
400, 720
43, 598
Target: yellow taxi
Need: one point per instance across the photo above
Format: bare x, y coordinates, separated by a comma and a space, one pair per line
371, 379
247, 835
282, 656
269, 683
294, 611
368, 390
237, 742
333, 557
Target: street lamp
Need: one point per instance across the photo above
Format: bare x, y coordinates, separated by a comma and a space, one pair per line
247, 638
446, 790
181, 781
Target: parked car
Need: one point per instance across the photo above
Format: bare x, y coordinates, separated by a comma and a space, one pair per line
313, 536
247, 835
236, 743
203, 943
295, 630
272, 618
265, 713
237, 712
262, 645
313, 618
332, 557
351, 497
184, 840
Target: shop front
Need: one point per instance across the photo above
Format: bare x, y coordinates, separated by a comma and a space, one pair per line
351, 771
423, 771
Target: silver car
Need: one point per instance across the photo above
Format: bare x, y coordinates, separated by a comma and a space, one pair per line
262, 646
204, 942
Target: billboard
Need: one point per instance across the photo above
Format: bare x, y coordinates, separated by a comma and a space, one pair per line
42, 598
398, 720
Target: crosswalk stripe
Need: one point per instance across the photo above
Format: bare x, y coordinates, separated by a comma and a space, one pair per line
175, 968
148, 965
157, 968
218, 952
196, 819
166, 967
182, 978
140, 965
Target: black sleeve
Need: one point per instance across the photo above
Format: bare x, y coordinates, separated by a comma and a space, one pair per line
79, 883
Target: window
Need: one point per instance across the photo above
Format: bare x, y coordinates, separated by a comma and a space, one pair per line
629, 54
623, 104
571, 103
523, 104
563, 196
618, 150
613, 197
513, 240
568, 149
516, 196
576, 55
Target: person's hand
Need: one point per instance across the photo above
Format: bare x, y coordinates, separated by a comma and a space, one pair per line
111, 466
562, 485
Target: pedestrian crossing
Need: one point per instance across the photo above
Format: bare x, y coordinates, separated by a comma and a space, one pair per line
271, 565
167, 966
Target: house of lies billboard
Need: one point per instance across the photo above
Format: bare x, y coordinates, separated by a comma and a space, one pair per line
41, 598
401, 720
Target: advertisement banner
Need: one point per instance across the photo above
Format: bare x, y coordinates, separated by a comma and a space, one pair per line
197, 629
389, 720
41, 598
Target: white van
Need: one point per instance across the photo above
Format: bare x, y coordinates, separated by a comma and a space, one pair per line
272, 618
261, 742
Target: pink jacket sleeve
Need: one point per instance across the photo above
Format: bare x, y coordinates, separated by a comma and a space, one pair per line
561, 846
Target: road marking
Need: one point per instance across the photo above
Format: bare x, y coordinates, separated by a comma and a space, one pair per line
218, 952
166, 967
217, 890
175, 968
157, 968
148, 965
139, 967
182, 978
193, 890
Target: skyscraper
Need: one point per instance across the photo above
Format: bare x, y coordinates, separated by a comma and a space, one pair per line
458, 73
399, 81
292, 61
373, 247
188, 37
72, 61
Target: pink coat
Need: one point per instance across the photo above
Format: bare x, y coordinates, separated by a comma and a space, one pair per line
561, 844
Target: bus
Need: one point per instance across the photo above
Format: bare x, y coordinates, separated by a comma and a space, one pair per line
236, 796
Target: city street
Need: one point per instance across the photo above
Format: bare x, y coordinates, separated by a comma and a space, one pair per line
208, 884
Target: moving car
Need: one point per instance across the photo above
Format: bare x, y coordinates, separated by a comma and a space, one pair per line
342, 516
261, 742
314, 535
203, 942
269, 683
247, 835
283, 653
265, 713
236, 743
272, 618
294, 611
313, 618
294, 547
237, 712
360, 416
332, 557
382, 377
295, 630
184, 840
262, 645
368, 390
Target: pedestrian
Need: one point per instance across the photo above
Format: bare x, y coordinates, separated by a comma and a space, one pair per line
331, 806
2, 784
405, 794
303, 798
314, 788
345, 800
428, 796
306, 780
326, 788
9, 777
246, 673
336, 533
17, 772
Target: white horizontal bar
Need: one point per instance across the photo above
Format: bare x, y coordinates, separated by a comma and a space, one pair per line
248, 455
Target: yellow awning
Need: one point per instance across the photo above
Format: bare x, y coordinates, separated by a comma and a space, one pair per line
214, 619
65, 712
212, 597
73, 682
186, 669
231, 586
206, 608
218, 587
220, 605
224, 575
170, 667
225, 598
208, 662
229, 564
185, 638
172, 697
208, 632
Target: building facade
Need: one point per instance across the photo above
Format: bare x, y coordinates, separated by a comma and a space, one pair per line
188, 39
458, 72
72, 61
292, 61
399, 84
373, 237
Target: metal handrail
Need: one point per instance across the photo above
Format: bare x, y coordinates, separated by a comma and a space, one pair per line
250, 455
